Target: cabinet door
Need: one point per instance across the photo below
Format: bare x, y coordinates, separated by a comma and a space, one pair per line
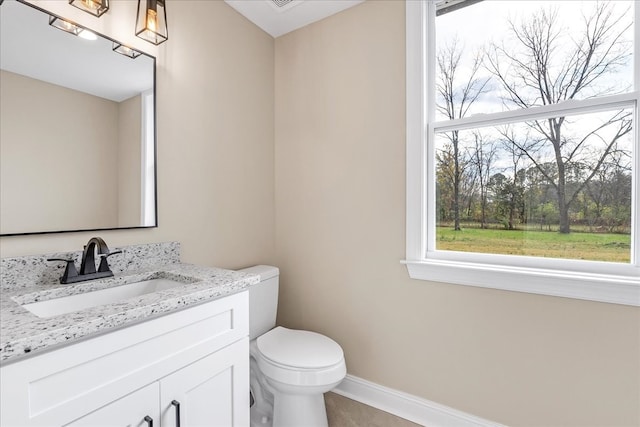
214, 391
138, 409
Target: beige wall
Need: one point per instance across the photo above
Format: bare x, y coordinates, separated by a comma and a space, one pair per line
515, 358
215, 136
43, 131
129, 176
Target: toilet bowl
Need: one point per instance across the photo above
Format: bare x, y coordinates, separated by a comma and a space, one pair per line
299, 367
290, 369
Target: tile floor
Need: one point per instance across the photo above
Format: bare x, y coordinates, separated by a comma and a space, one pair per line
343, 412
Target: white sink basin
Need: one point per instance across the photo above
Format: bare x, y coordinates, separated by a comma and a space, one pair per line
77, 302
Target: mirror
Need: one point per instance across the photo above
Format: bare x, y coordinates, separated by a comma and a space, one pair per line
77, 129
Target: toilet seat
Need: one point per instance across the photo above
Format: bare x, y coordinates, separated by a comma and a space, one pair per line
299, 349
297, 357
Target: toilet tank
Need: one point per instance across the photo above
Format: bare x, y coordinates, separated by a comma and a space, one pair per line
263, 300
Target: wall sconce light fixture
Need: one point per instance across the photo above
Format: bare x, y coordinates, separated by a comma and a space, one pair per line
151, 21
94, 7
125, 50
66, 26
71, 28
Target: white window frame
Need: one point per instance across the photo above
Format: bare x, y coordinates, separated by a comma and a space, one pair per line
587, 280
148, 217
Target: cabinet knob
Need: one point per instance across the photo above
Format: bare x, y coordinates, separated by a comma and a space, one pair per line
176, 404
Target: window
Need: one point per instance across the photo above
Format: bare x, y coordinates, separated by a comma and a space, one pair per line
523, 155
148, 166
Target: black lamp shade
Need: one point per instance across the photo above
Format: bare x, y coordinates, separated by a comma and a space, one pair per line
125, 50
94, 7
151, 21
66, 26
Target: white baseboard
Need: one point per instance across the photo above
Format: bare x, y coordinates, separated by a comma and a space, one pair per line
403, 405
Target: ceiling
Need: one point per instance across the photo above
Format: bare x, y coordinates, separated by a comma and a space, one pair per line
278, 17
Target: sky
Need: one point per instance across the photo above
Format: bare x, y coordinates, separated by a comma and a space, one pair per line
487, 21
481, 23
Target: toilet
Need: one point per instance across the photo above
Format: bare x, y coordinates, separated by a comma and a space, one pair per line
290, 369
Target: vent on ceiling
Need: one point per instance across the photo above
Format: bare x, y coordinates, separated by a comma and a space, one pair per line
283, 5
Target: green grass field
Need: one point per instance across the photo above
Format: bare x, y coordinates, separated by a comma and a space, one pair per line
550, 244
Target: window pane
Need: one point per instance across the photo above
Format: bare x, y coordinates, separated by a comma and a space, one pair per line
557, 187
503, 55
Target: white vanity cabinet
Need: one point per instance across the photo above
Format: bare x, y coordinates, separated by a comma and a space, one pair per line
195, 361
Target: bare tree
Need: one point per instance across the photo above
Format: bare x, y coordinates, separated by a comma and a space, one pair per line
482, 157
611, 187
549, 67
511, 147
456, 94
445, 177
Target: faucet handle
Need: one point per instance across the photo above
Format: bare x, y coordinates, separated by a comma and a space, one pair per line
70, 270
104, 265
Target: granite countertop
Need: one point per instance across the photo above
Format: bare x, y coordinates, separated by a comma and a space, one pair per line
23, 333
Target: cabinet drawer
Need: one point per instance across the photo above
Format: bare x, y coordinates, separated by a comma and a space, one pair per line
59, 386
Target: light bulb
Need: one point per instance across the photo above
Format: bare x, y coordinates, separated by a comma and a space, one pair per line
68, 25
90, 4
152, 20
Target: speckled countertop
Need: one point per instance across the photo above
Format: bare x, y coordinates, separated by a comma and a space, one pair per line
23, 333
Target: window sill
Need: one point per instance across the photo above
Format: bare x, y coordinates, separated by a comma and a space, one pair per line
592, 287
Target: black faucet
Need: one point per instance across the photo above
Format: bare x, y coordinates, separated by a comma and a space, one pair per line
88, 264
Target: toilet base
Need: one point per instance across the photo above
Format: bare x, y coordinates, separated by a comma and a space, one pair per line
307, 410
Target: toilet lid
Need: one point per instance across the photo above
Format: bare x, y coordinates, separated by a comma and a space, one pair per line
302, 349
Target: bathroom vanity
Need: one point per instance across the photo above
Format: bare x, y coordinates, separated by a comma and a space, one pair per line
169, 357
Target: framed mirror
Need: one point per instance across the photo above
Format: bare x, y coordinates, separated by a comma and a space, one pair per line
77, 129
